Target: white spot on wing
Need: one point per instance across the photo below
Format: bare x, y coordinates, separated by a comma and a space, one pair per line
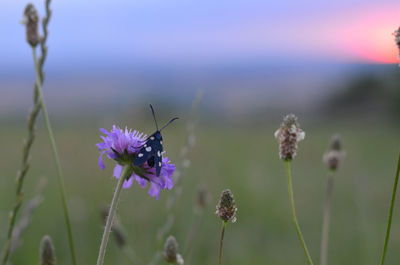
145, 145
148, 149
152, 138
159, 164
140, 155
158, 153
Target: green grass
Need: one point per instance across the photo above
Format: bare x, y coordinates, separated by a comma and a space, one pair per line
242, 159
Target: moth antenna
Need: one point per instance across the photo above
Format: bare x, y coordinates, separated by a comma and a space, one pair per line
154, 116
168, 123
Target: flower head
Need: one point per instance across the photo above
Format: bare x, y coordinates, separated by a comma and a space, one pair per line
31, 21
226, 207
288, 135
123, 146
47, 253
397, 38
335, 154
171, 254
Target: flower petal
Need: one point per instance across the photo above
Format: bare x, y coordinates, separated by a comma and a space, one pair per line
128, 183
117, 171
101, 164
154, 191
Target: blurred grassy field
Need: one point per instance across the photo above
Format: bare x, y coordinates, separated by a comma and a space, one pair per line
240, 158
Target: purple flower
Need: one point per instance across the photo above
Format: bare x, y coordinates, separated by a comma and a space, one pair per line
123, 146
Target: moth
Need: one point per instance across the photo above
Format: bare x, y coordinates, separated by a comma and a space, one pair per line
152, 149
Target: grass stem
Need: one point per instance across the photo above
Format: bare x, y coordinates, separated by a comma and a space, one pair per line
299, 234
221, 242
326, 219
389, 224
111, 214
55, 154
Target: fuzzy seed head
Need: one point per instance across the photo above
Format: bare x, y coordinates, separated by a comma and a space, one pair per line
226, 207
397, 38
47, 253
171, 254
334, 156
288, 135
31, 21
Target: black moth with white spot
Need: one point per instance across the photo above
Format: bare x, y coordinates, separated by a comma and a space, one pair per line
152, 148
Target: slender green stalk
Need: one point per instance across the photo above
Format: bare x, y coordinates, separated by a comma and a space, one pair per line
111, 214
55, 154
22, 172
299, 234
221, 242
326, 219
389, 225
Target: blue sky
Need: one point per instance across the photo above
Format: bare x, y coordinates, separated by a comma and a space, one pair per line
205, 30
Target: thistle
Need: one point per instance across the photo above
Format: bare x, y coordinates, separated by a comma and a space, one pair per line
333, 158
226, 210
288, 135
47, 253
171, 254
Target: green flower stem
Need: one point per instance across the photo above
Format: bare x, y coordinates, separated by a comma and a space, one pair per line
389, 225
299, 234
56, 158
111, 214
326, 219
221, 242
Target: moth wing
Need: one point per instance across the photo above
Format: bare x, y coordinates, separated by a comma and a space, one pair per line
158, 157
145, 153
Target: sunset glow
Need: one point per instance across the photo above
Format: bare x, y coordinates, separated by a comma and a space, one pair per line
368, 35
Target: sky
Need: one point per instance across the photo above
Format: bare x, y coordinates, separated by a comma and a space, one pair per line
207, 31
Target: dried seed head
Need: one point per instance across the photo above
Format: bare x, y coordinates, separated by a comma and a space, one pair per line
397, 38
171, 254
288, 135
226, 207
47, 253
31, 21
335, 154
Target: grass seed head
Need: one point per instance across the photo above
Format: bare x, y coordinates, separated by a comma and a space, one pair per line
288, 135
31, 21
47, 253
397, 39
226, 207
334, 156
171, 253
